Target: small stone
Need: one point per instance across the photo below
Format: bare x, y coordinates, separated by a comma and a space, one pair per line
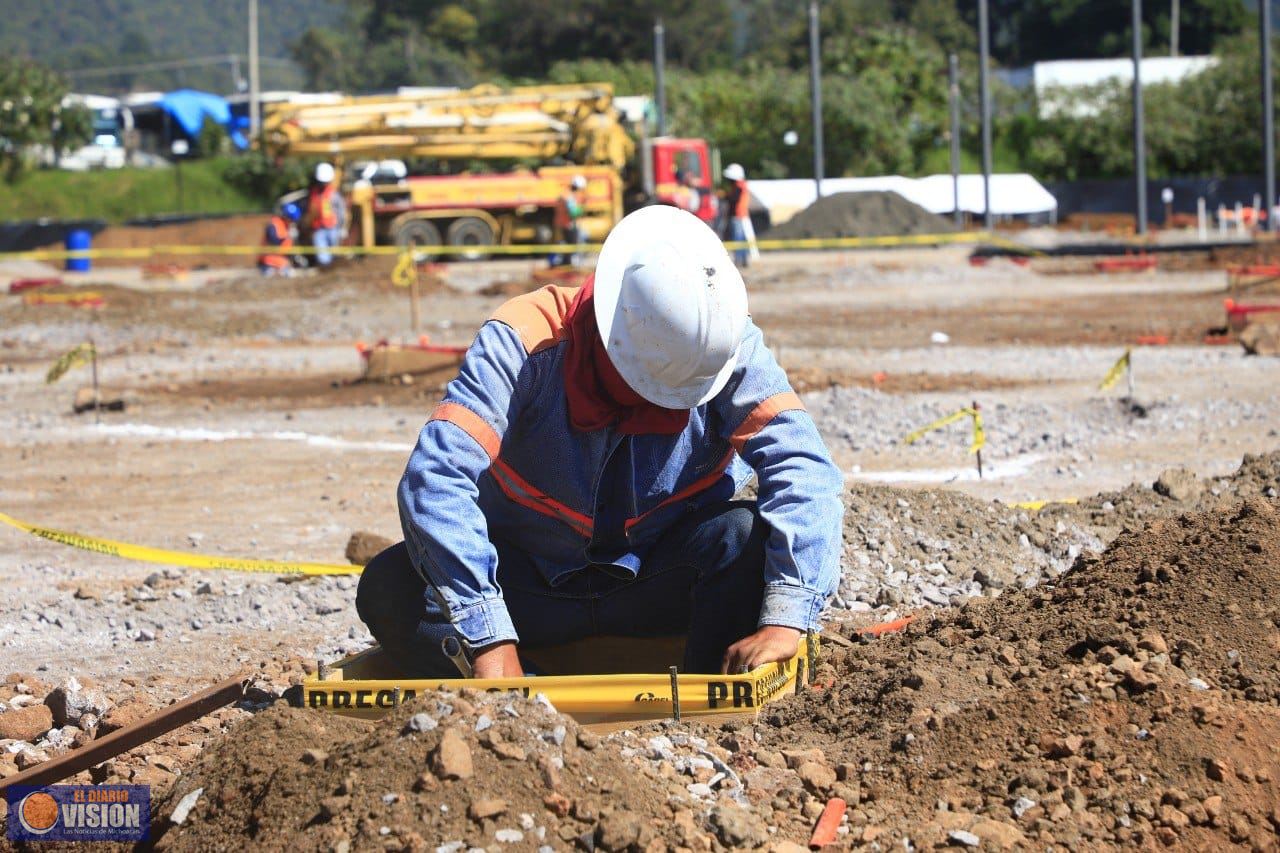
508, 751
488, 807
420, 723
153, 580
618, 831
331, 807
1062, 747
816, 777
1022, 805
557, 804
738, 828
26, 723
452, 757
84, 593
509, 836
125, 714
1153, 642
1217, 769
363, 546
1213, 807
964, 838
1178, 484
1173, 817
588, 740
769, 758
313, 756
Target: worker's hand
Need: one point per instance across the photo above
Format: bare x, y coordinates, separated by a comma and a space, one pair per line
497, 661
767, 645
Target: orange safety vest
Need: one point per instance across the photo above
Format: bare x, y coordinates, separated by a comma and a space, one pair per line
564, 218
276, 235
742, 205
320, 212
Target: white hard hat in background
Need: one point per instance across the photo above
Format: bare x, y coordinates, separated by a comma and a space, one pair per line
325, 173
671, 306
735, 172
578, 182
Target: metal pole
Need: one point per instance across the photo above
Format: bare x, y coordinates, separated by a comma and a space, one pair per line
1139, 138
815, 97
255, 117
954, 95
984, 96
660, 74
1268, 117
1173, 27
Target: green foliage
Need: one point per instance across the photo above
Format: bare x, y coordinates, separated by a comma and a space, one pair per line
265, 179
32, 115
1027, 31
120, 194
97, 33
1206, 125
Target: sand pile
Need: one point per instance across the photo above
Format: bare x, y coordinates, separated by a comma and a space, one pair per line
861, 214
1135, 701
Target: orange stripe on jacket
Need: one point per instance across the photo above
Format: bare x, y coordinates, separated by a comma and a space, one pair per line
760, 416
689, 491
472, 424
538, 317
512, 485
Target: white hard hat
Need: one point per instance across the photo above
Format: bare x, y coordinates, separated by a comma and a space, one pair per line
735, 172
325, 173
578, 182
671, 306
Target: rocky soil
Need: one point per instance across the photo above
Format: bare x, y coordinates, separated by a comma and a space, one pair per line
1131, 702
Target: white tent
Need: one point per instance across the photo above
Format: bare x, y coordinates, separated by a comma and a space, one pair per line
1011, 194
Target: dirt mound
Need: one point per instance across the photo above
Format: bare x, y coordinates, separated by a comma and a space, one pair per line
1174, 492
243, 230
1134, 701
861, 214
441, 772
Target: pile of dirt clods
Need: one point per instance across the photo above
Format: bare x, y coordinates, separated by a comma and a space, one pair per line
1133, 701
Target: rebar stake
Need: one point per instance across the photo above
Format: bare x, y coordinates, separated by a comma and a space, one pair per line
675, 694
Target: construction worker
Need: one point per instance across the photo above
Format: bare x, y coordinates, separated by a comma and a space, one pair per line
738, 203
568, 212
279, 234
578, 478
326, 210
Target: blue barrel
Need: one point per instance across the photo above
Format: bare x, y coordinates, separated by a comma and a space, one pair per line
76, 240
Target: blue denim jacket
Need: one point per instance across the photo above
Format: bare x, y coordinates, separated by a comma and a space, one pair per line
499, 459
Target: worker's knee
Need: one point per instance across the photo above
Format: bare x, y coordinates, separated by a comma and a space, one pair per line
389, 577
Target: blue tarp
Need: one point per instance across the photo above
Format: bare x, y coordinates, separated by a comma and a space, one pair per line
189, 108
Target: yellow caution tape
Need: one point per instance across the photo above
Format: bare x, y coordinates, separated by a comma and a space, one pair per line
544, 249
1113, 375
406, 271
979, 433
72, 358
1036, 506
145, 554
586, 698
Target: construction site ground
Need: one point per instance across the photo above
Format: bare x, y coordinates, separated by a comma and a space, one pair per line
246, 432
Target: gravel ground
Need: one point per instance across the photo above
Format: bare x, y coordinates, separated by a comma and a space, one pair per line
245, 437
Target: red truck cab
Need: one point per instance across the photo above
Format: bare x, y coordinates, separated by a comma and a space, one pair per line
681, 172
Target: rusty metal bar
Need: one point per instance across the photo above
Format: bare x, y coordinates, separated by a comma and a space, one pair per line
109, 746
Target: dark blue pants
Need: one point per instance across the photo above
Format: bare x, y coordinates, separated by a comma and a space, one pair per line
704, 578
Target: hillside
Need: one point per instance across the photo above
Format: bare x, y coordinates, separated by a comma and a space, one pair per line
97, 33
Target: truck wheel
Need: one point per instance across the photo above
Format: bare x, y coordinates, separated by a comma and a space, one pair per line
418, 234
470, 231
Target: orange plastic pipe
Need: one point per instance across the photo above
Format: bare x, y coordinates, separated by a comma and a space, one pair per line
824, 832
887, 627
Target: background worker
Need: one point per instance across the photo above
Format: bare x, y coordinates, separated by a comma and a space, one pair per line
326, 213
738, 205
578, 478
279, 234
568, 212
